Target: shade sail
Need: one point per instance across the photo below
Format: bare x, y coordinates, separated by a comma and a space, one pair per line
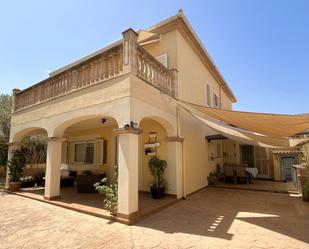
272, 125
238, 134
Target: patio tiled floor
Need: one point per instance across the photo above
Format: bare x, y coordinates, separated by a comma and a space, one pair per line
92, 203
262, 185
212, 218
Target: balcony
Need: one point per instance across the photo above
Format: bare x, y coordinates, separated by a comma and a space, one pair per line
123, 58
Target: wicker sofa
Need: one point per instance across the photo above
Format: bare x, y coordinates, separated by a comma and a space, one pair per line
84, 183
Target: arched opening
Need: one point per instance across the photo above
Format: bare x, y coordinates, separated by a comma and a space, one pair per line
153, 142
32, 142
33, 131
89, 146
88, 154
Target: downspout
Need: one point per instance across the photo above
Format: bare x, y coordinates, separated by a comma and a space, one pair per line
182, 154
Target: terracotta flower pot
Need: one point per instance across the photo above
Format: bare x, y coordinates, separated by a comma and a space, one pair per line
113, 209
14, 186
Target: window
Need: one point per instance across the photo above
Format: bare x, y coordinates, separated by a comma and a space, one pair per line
84, 152
208, 95
89, 153
216, 101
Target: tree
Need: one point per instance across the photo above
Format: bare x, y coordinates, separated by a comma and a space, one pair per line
5, 118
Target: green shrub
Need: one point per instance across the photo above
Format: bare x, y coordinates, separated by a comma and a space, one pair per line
157, 167
110, 191
16, 165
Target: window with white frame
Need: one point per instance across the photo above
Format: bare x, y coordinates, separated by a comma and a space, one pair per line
84, 152
208, 95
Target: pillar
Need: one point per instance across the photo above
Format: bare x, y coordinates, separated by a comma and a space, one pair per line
128, 149
176, 156
52, 174
12, 147
130, 51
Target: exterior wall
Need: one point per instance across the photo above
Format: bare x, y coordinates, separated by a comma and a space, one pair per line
196, 164
160, 113
214, 157
102, 99
167, 44
145, 178
193, 77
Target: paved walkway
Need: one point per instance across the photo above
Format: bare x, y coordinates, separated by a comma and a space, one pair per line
262, 185
213, 218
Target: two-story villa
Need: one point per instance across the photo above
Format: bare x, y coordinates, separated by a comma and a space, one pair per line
102, 109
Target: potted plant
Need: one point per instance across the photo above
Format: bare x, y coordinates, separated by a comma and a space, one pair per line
27, 181
212, 177
110, 191
157, 167
15, 166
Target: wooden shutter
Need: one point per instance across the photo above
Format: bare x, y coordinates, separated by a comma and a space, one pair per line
64, 153
98, 151
262, 161
70, 152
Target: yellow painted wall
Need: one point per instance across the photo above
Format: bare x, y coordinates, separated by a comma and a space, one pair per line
145, 177
167, 44
213, 157
192, 79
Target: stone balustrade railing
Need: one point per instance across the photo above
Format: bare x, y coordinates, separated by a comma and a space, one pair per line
156, 74
101, 68
122, 58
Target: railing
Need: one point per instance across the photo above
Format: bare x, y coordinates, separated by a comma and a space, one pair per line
156, 74
102, 67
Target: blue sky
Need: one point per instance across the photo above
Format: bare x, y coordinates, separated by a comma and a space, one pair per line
261, 47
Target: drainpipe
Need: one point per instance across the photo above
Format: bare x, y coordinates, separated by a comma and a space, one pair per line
182, 154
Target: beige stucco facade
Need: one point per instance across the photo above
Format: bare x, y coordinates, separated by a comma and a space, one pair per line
128, 97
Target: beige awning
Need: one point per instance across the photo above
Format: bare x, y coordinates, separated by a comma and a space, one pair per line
272, 125
239, 134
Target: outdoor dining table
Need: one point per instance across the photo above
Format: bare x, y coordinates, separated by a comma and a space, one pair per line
252, 171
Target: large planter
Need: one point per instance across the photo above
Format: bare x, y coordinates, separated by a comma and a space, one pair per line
28, 184
157, 193
113, 209
14, 186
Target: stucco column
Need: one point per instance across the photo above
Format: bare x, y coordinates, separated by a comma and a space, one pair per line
52, 174
130, 51
12, 147
176, 157
128, 149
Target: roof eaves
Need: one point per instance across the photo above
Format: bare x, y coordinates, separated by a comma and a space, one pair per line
182, 16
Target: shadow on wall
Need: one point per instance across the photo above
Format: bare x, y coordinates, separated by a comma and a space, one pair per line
217, 212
